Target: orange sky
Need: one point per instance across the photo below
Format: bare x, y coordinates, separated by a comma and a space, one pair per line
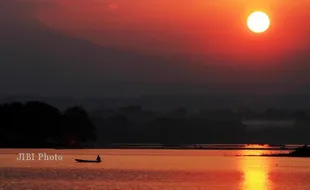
196, 27
182, 41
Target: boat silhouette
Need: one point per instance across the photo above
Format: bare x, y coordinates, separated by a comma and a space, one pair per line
93, 161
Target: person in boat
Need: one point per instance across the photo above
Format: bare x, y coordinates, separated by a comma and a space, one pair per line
98, 158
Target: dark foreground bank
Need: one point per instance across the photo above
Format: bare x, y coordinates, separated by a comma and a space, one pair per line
298, 152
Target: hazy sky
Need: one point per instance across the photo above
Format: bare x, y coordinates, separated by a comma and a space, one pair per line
112, 47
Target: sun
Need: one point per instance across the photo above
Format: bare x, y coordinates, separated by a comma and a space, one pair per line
258, 22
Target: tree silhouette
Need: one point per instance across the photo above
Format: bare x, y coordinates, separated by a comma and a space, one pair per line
78, 125
37, 124
41, 119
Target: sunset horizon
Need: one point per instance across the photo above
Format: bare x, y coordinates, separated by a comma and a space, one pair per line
84, 47
155, 94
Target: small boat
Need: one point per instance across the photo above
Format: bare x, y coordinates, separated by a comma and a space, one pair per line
93, 161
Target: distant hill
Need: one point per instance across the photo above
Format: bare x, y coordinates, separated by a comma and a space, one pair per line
168, 102
37, 59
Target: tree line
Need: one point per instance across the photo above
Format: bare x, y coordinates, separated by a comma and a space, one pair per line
132, 124
37, 124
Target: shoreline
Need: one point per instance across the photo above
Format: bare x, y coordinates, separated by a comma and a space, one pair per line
153, 146
150, 148
302, 152
287, 156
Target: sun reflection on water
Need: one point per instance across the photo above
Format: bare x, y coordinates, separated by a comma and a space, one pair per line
255, 173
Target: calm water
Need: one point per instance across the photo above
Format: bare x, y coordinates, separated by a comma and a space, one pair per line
154, 169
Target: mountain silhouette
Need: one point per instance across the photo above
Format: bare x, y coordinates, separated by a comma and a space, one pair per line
38, 59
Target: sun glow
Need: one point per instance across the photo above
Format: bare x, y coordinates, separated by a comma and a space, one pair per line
255, 173
258, 22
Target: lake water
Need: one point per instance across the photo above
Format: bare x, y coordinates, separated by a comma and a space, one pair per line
154, 169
